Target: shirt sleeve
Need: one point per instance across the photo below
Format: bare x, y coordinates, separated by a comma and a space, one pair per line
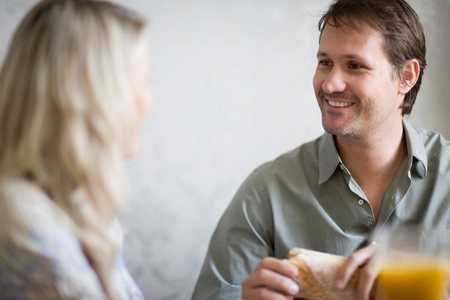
243, 237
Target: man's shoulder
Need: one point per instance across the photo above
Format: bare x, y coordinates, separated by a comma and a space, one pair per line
432, 140
432, 149
291, 161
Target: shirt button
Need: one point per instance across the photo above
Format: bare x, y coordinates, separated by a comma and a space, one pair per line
361, 202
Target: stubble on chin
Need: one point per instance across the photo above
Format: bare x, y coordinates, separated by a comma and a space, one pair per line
344, 130
332, 130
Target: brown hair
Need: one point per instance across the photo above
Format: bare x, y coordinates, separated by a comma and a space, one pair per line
397, 21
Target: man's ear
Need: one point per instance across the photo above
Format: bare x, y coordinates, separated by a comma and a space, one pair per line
409, 76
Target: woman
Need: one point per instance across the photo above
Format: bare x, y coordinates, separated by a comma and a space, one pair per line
73, 95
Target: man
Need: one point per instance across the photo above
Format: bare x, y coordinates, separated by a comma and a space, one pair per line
370, 169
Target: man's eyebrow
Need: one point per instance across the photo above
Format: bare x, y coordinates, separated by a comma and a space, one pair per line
347, 56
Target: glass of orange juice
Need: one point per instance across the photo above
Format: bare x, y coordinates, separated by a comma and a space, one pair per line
415, 264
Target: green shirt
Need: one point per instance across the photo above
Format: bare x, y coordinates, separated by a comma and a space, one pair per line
307, 198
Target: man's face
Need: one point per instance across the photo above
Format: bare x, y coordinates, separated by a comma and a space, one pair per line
354, 83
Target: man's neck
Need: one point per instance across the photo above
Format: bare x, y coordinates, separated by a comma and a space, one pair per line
372, 155
374, 162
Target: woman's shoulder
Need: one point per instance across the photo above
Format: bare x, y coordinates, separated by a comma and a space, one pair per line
31, 224
25, 206
38, 248
30, 220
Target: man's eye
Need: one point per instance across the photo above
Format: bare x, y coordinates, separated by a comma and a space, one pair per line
325, 63
354, 66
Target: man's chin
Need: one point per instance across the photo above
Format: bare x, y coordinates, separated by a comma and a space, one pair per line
333, 129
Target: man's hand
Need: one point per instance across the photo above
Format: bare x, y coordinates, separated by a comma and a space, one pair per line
271, 279
365, 260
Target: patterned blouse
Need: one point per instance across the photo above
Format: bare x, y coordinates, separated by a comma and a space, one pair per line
40, 256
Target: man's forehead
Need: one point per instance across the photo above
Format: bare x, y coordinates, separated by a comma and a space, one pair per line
349, 43
360, 30
352, 23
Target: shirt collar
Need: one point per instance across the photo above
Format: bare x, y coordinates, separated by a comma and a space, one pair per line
329, 158
416, 150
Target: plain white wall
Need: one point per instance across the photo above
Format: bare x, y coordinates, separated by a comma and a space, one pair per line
232, 85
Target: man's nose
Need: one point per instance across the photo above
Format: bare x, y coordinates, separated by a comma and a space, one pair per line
334, 81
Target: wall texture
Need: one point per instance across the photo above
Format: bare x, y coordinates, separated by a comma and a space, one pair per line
233, 88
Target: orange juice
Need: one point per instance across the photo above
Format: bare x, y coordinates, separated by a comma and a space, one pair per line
414, 281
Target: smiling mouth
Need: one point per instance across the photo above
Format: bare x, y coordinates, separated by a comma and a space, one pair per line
340, 104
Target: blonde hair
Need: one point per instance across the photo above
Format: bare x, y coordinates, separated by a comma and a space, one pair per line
66, 110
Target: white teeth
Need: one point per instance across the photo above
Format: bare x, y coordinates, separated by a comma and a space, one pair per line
340, 104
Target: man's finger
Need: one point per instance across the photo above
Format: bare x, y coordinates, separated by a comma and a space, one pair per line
353, 262
271, 276
264, 278
279, 266
367, 279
